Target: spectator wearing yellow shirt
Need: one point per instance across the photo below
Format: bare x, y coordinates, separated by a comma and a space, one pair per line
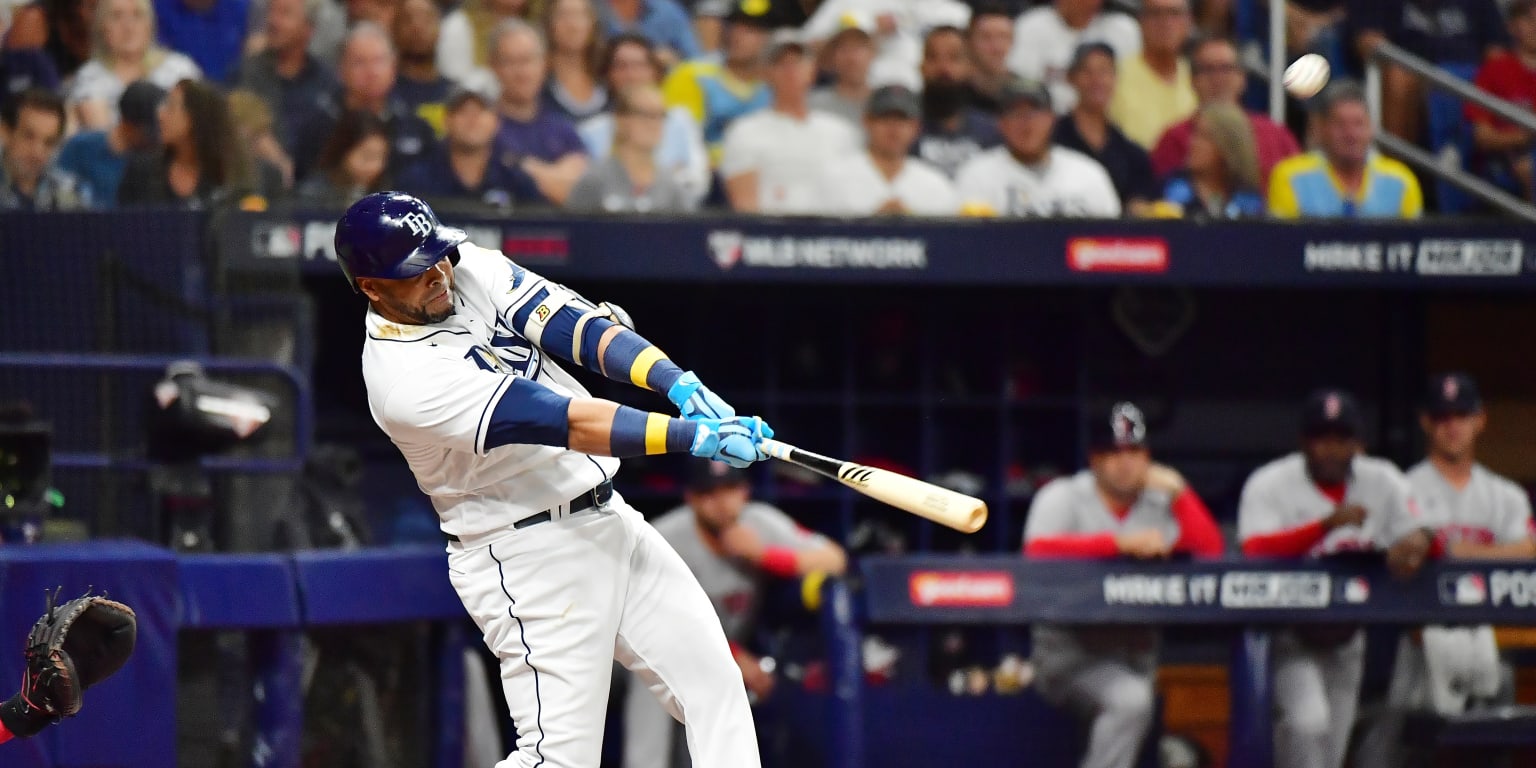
1154, 89
716, 93
1344, 178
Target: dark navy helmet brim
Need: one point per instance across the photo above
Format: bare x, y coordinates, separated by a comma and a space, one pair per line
442, 242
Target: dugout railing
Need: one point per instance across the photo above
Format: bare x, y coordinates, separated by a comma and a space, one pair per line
1248, 598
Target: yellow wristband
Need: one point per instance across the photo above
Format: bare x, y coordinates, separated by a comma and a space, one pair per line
656, 433
641, 368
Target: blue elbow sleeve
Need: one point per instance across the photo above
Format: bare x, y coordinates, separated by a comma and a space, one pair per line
529, 413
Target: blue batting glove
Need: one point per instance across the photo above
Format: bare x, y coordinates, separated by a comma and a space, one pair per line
695, 401
733, 441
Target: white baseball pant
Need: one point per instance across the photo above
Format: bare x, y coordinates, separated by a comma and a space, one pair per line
558, 602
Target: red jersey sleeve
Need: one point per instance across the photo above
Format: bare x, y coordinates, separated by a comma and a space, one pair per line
1292, 542
1081, 546
1198, 534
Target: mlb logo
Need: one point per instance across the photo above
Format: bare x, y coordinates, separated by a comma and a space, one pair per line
1357, 590
1463, 589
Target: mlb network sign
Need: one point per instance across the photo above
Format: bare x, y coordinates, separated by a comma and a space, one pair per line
729, 248
1499, 587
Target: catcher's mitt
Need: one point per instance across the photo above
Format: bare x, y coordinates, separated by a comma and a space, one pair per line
71, 648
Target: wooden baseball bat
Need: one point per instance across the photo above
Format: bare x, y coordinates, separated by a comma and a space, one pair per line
941, 505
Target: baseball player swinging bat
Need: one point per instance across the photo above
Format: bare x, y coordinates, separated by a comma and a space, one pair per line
956, 510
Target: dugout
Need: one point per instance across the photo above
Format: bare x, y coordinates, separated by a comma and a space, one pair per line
967, 349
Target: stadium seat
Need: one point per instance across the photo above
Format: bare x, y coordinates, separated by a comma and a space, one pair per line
1448, 132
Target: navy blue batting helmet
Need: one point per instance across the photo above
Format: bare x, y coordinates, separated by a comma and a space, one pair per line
393, 235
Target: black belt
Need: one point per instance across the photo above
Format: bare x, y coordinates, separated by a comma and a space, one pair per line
596, 497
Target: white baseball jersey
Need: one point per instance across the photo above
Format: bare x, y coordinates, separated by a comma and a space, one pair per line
1489, 510
790, 156
859, 188
1043, 45
1280, 496
559, 601
432, 389
1072, 505
1445, 666
1065, 183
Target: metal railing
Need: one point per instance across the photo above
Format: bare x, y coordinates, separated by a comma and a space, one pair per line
1426, 161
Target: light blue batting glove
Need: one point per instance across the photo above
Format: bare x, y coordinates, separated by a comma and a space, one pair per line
694, 400
733, 441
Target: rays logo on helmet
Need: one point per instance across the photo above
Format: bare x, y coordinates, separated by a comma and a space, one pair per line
418, 223
1450, 388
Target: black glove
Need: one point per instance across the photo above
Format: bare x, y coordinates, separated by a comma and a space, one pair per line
71, 648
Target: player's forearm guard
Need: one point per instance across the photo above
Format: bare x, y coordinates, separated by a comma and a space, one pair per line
557, 319
638, 433
630, 356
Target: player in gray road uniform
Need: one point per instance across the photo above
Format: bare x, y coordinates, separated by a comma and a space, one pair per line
1474, 514
1122, 505
1326, 499
730, 543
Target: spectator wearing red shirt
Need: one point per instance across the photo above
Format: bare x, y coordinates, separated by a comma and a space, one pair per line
1218, 79
1510, 75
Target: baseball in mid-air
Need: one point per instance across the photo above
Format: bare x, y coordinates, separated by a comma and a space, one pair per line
1306, 76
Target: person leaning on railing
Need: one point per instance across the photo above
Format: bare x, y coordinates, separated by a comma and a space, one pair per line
1121, 506
1326, 499
1472, 513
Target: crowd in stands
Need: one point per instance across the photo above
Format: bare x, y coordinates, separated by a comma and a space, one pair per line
1093, 108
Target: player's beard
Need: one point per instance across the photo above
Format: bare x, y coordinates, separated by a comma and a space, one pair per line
420, 315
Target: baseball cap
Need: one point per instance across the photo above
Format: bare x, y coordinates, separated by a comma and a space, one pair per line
853, 24
751, 12
705, 475
893, 100
1452, 394
1122, 426
462, 93
1017, 90
139, 102
1331, 412
784, 40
